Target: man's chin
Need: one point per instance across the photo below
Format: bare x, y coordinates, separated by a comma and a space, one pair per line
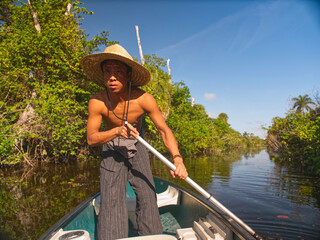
115, 90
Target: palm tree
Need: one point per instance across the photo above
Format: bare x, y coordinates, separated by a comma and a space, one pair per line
302, 103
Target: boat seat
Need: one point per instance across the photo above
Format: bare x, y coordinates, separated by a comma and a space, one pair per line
169, 197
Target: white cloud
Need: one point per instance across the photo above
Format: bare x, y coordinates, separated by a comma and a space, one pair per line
209, 96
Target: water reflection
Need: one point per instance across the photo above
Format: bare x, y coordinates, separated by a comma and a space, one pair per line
271, 200
274, 200
299, 189
34, 199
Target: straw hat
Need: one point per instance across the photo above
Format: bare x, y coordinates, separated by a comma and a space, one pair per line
91, 65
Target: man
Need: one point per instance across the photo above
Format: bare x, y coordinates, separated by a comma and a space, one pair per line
121, 106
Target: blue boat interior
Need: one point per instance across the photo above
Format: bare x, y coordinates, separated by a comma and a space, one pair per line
173, 217
181, 213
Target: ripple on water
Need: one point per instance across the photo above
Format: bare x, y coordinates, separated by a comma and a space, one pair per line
273, 201
284, 230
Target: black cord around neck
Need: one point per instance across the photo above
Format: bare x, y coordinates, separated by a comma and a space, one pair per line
129, 95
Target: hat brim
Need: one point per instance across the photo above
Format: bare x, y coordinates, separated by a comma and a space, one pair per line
91, 65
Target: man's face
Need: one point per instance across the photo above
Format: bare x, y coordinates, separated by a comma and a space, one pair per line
116, 75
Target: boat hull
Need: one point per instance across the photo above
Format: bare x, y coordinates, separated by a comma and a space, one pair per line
182, 213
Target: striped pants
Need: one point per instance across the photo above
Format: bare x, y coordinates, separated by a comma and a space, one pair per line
115, 170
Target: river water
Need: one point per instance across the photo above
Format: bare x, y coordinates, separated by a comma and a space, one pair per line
276, 201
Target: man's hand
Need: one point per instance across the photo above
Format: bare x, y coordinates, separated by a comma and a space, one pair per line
180, 171
126, 131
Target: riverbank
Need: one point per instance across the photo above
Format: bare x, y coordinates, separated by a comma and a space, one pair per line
295, 139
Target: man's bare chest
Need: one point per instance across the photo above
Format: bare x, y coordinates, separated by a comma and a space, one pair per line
116, 114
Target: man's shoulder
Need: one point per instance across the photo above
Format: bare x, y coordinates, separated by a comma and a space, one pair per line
146, 101
141, 95
97, 101
99, 96
137, 93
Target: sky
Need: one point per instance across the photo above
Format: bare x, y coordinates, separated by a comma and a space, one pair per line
244, 58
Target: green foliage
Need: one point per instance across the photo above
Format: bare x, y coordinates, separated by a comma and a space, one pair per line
44, 92
159, 86
224, 117
8, 154
62, 119
9, 134
192, 127
181, 94
297, 138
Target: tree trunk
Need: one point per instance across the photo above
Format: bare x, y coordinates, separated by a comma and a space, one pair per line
139, 44
169, 71
274, 142
26, 116
68, 9
35, 17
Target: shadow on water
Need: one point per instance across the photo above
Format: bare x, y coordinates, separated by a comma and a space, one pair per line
274, 201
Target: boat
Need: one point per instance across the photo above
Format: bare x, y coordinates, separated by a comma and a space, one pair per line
184, 216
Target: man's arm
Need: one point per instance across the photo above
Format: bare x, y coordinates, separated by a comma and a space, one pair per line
150, 106
94, 136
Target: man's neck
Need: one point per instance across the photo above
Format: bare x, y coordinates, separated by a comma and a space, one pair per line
118, 97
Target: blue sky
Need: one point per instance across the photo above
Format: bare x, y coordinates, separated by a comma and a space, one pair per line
244, 58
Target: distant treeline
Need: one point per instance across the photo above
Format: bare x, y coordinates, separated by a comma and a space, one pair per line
44, 93
295, 139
